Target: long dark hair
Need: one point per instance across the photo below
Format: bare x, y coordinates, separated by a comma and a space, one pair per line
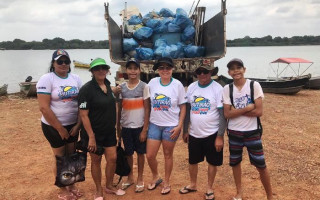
51, 68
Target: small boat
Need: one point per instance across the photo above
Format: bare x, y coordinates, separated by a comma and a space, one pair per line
313, 83
28, 88
3, 90
81, 64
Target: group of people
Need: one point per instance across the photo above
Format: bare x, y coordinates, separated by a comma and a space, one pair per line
150, 115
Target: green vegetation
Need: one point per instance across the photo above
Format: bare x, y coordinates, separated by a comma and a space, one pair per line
57, 43
277, 41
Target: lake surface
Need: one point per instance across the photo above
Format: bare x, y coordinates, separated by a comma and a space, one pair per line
16, 65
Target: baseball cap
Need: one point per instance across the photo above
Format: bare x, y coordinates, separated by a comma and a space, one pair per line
98, 62
235, 60
163, 60
133, 60
206, 64
58, 53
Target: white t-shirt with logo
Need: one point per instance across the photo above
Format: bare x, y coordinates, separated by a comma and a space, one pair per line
205, 102
165, 102
64, 96
241, 98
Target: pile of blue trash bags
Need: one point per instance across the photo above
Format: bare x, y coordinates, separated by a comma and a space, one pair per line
162, 34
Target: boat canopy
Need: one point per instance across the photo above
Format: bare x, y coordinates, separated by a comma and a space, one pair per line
291, 60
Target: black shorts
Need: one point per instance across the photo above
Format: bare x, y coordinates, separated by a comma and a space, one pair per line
106, 138
54, 137
204, 147
132, 142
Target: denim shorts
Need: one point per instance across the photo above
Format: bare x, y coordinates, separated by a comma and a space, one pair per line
156, 132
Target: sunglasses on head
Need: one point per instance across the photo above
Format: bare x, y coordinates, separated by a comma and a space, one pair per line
164, 68
200, 71
60, 62
99, 67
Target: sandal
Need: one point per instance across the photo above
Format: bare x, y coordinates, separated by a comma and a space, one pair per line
186, 190
154, 185
118, 192
166, 190
76, 192
97, 198
139, 188
70, 196
125, 186
208, 195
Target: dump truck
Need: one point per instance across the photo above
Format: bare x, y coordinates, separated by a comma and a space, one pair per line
210, 34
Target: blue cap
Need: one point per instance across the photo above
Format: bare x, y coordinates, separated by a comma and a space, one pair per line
58, 53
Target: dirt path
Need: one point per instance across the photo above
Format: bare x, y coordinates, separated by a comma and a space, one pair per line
291, 141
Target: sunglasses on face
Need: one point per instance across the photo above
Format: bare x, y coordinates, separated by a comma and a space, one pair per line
60, 62
200, 71
164, 68
98, 68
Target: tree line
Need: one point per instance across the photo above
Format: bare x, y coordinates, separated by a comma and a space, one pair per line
56, 43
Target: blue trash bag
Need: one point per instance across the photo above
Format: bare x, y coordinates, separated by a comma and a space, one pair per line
173, 28
182, 21
129, 44
166, 12
160, 42
143, 33
188, 34
146, 18
159, 51
134, 20
144, 54
192, 51
163, 26
180, 11
153, 23
173, 51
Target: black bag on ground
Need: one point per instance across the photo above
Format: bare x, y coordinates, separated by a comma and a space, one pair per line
123, 168
71, 169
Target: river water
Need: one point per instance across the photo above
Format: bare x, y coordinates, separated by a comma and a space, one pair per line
16, 65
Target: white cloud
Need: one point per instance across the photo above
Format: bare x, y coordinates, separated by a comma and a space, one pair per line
84, 19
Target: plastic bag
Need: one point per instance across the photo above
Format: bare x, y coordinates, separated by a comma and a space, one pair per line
144, 54
188, 34
173, 28
163, 26
182, 21
153, 23
173, 51
166, 12
159, 51
160, 42
129, 44
134, 20
180, 11
192, 51
143, 33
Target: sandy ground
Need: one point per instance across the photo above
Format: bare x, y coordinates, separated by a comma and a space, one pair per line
291, 141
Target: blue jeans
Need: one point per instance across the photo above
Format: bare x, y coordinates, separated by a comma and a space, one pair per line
156, 132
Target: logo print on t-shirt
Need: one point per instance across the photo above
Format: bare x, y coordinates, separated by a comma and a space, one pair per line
242, 102
161, 102
200, 105
68, 93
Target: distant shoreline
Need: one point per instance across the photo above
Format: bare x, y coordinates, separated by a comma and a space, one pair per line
56, 43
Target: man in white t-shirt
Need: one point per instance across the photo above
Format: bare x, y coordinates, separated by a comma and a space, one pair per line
207, 127
243, 108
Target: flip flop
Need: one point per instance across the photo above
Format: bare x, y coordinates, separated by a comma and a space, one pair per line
67, 196
97, 198
139, 188
208, 196
76, 192
118, 192
186, 190
233, 198
155, 184
166, 190
125, 186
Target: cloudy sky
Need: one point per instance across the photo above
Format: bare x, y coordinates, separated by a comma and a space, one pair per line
84, 19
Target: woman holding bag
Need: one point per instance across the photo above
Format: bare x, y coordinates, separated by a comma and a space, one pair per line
57, 93
98, 113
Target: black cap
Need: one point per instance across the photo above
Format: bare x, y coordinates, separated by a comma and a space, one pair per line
235, 60
163, 60
133, 60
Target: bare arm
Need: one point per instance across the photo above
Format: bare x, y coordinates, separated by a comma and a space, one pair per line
84, 114
119, 118
230, 112
44, 106
186, 123
146, 105
75, 130
257, 111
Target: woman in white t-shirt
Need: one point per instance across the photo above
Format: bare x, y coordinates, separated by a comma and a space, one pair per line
168, 110
57, 96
